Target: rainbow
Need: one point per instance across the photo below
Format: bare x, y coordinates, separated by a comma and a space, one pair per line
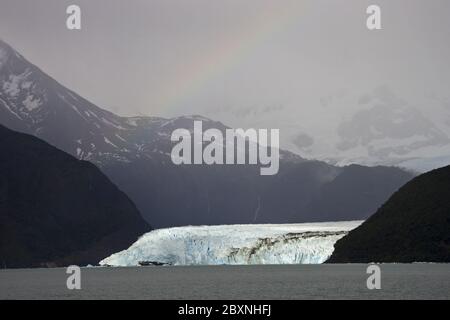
271, 18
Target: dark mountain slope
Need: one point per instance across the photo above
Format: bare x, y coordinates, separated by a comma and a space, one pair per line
135, 154
413, 225
355, 187
57, 210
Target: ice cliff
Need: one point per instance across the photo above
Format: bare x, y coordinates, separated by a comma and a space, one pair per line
308, 243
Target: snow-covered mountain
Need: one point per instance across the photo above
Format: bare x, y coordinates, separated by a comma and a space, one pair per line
134, 152
388, 129
379, 125
309, 243
33, 102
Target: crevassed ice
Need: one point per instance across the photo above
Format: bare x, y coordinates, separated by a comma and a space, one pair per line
308, 243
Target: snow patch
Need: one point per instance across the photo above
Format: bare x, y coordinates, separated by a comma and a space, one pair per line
11, 87
9, 109
110, 123
120, 138
30, 103
109, 142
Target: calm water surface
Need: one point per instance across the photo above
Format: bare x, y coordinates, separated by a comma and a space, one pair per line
398, 281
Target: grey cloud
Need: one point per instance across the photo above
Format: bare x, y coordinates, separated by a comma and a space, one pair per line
303, 141
300, 66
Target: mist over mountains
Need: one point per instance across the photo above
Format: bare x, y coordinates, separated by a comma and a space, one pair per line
338, 92
134, 152
369, 127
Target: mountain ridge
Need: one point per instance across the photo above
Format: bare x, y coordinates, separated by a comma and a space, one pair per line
134, 152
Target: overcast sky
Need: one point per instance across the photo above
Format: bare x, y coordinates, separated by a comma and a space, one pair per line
244, 62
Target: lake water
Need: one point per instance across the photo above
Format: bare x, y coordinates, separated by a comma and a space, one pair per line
398, 281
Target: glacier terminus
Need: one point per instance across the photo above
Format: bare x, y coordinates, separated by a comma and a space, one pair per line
306, 243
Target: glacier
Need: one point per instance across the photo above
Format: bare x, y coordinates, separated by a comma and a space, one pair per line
306, 243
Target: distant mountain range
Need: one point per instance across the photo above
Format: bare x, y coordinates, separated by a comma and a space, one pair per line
380, 126
412, 226
134, 152
56, 210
